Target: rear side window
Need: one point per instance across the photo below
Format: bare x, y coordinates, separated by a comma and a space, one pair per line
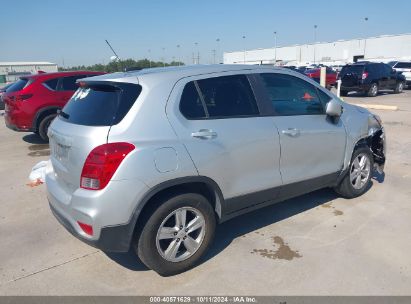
290, 95
100, 104
219, 97
190, 105
69, 83
18, 85
51, 84
403, 65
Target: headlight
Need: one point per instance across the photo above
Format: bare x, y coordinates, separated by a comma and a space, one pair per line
374, 123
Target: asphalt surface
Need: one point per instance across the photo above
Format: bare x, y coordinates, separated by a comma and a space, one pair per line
316, 244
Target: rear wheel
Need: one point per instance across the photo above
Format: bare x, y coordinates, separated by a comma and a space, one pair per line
177, 234
44, 126
399, 87
373, 90
358, 177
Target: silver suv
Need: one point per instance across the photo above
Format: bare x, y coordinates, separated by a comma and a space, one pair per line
154, 159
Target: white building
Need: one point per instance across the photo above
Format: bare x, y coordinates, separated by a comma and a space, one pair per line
382, 49
11, 71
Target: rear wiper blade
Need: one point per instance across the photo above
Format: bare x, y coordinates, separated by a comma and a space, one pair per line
63, 114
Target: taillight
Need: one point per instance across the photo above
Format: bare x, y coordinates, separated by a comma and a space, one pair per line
21, 97
364, 75
102, 163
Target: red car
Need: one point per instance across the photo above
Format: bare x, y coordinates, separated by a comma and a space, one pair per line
330, 78
32, 102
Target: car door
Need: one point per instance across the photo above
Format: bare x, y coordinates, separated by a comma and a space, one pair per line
392, 77
219, 122
312, 145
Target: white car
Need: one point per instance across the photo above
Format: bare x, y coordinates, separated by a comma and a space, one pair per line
405, 68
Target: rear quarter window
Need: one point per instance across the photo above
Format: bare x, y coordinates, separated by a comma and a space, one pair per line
100, 104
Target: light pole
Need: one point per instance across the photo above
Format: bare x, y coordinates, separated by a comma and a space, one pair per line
196, 61
275, 47
315, 39
178, 54
164, 60
149, 57
213, 52
365, 39
244, 48
218, 45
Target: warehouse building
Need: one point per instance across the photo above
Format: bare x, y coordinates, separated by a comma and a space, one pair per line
11, 71
381, 49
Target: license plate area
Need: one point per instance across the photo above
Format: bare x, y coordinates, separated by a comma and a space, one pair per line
60, 151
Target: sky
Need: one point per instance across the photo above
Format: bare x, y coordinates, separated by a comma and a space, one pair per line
73, 32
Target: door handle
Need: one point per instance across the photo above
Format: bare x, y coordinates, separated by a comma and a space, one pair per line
292, 132
204, 134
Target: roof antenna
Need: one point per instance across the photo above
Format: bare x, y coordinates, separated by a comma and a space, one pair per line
118, 58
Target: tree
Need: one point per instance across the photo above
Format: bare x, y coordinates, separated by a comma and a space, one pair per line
121, 65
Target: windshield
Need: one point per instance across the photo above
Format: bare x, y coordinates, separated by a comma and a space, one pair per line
100, 104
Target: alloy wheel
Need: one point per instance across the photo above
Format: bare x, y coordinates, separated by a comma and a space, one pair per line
180, 234
360, 171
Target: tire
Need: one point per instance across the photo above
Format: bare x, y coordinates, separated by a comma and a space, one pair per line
156, 253
343, 93
373, 90
399, 87
347, 188
44, 126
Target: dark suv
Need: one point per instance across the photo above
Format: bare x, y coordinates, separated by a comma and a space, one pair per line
369, 78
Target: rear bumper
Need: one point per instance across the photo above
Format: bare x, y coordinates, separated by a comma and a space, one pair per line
112, 239
13, 124
109, 211
359, 87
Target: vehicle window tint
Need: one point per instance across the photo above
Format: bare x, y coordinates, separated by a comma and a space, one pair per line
190, 105
324, 97
69, 83
403, 65
387, 69
352, 69
51, 84
18, 85
291, 95
228, 96
100, 104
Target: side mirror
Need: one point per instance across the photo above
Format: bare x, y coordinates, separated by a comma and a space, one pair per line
333, 108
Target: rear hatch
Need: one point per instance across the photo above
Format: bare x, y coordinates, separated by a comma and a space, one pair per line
84, 123
14, 92
351, 75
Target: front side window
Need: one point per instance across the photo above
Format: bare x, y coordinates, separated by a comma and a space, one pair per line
290, 95
218, 97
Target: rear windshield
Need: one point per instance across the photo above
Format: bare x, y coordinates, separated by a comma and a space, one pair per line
355, 69
18, 85
97, 104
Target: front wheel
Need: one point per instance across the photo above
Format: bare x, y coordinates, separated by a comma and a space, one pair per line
358, 177
177, 234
